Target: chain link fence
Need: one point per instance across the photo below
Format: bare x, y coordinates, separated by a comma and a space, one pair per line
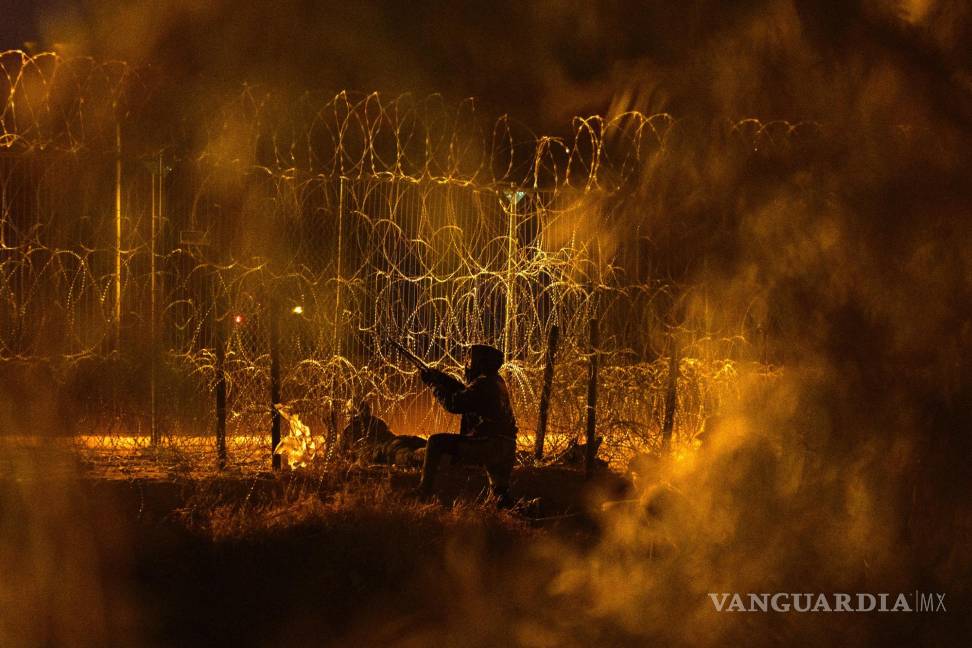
150, 267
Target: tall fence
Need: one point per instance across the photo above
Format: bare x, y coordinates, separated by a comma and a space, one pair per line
146, 258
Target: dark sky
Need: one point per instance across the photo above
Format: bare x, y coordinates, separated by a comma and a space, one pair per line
510, 55
18, 24
542, 61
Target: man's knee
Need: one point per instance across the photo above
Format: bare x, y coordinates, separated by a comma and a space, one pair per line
443, 444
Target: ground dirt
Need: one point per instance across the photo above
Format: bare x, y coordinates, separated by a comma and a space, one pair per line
304, 557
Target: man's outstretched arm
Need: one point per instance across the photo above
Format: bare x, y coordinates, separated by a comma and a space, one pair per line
462, 401
438, 379
443, 386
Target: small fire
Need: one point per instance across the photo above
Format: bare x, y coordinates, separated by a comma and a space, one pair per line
238, 319
299, 446
297, 310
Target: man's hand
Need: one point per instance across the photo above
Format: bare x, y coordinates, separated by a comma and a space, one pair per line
432, 376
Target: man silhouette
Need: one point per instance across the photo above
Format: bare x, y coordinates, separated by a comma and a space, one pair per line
487, 432
368, 438
364, 431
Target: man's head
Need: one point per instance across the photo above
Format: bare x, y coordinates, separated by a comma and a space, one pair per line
363, 409
483, 360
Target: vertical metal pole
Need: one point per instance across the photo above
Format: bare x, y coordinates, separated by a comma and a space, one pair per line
274, 383
330, 441
707, 348
221, 396
510, 280
592, 402
153, 379
118, 234
4, 216
332, 430
548, 373
671, 397
336, 342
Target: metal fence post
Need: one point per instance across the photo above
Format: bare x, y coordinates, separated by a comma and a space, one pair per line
552, 339
336, 340
157, 178
274, 382
118, 234
220, 396
509, 323
591, 403
671, 398
336, 343
219, 341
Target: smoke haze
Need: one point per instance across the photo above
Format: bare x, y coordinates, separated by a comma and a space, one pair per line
848, 226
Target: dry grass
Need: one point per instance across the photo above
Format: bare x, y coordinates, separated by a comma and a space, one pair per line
372, 500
